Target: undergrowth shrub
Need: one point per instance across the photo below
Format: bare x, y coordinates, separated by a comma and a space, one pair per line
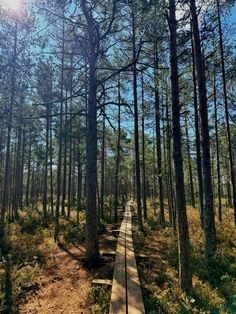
24, 249
99, 298
101, 227
153, 223
227, 286
2, 286
207, 297
170, 300
139, 242
24, 280
33, 223
73, 233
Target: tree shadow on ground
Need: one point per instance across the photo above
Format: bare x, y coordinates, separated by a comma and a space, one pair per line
7, 305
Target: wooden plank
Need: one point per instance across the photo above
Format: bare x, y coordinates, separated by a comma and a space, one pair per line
141, 257
125, 273
134, 292
109, 254
102, 282
115, 232
118, 293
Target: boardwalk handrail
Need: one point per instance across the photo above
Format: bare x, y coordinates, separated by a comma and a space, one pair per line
126, 295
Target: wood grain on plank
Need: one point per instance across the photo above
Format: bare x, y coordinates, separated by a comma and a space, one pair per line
126, 273
118, 294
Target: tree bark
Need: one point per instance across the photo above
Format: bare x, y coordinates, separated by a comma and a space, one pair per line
158, 140
46, 164
217, 152
92, 244
51, 169
64, 183
136, 127
208, 214
116, 201
182, 227
144, 190
231, 162
59, 162
103, 164
189, 165
198, 142
5, 198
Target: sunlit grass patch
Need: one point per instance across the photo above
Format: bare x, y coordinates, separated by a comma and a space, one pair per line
99, 299
214, 286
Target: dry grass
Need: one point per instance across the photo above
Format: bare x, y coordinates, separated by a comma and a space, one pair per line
39, 276
214, 288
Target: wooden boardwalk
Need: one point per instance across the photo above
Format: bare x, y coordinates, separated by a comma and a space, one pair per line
126, 295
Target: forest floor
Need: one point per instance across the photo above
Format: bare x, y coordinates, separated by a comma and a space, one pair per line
214, 286
40, 276
63, 286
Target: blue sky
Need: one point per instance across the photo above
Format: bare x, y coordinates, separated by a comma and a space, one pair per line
231, 19
233, 15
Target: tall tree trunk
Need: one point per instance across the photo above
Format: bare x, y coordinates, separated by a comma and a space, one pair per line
32, 190
28, 171
116, 201
189, 164
136, 128
198, 142
13, 187
208, 214
182, 227
15, 202
144, 190
70, 140
79, 182
8, 143
217, 151
73, 175
158, 140
231, 162
92, 243
45, 189
59, 161
154, 175
64, 183
103, 164
169, 164
70, 167
21, 182
51, 169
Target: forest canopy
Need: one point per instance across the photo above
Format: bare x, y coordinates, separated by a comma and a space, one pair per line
105, 103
